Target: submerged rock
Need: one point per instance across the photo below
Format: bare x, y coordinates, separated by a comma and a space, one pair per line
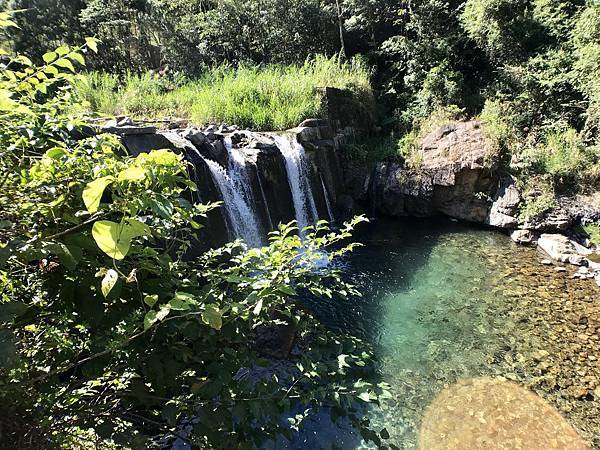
524, 237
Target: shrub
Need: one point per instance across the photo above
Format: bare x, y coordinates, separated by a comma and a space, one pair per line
563, 155
110, 336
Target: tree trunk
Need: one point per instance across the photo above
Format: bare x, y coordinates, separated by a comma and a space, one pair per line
341, 28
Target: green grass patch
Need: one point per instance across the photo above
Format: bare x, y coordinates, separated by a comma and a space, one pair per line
593, 233
267, 98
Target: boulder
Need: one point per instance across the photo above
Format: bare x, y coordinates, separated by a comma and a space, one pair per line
505, 209
560, 248
555, 220
456, 177
524, 237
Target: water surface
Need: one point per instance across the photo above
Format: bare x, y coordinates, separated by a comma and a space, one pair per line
444, 301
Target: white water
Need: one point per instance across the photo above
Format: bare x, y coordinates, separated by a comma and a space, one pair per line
296, 166
236, 193
327, 200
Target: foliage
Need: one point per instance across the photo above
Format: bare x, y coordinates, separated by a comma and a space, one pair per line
110, 336
593, 233
372, 149
269, 98
409, 146
538, 196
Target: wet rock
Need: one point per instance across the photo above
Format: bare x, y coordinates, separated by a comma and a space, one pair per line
559, 248
125, 122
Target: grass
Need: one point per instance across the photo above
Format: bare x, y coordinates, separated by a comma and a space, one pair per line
593, 232
264, 99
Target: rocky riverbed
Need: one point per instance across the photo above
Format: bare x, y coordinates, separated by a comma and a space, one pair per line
561, 315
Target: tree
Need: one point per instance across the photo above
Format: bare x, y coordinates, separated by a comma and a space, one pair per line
109, 335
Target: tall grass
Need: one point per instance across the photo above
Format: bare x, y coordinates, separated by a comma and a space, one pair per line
267, 98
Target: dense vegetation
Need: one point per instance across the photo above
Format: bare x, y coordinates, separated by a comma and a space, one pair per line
110, 336
529, 68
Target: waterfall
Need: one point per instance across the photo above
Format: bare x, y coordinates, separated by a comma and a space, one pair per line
297, 169
234, 185
327, 199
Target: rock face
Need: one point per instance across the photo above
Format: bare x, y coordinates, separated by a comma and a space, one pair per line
457, 177
504, 210
263, 185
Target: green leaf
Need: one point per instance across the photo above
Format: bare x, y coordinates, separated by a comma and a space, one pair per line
6, 103
134, 173
92, 44
109, 281
286, 289
151, 300
178, 304
51, 70
49, 57
365, 397
114, 239
162, 206
67, 257
384, 434
163, 312
78, 57
92, 194
62, 50
149, 319
64, 62
55, 153
258, 307
212, 317
136, 228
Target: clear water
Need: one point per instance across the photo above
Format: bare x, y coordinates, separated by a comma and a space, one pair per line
437, 307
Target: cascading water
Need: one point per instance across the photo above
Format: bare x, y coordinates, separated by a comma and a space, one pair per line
237, 198
296, 166
327, 200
